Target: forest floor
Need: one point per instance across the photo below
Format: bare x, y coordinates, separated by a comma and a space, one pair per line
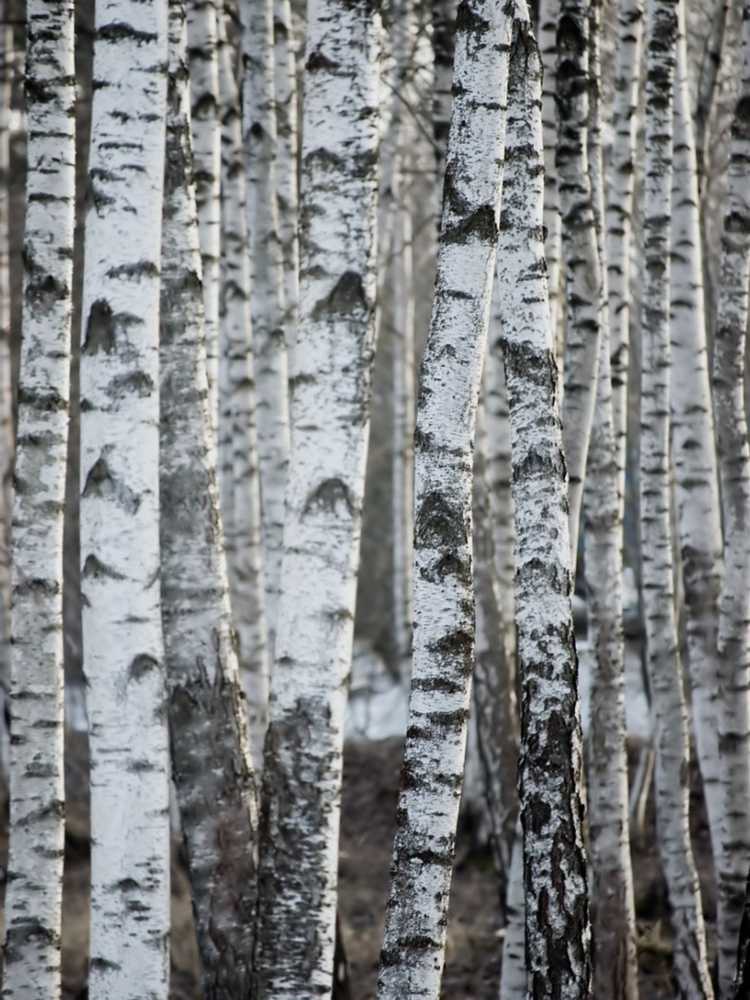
371, 773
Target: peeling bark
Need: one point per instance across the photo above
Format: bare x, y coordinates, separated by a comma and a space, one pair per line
330, 400
33, 901
123, 651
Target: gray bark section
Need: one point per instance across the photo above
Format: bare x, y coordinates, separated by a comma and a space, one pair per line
208, 738
558, 933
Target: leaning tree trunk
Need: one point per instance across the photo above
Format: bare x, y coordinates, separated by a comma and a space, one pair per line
33, 901
615, 959
208, 737
488, 36
330, 402
269, 330
619, 213
670, 713
581, 269
123, 651
238, 446
204, 88
558, 933
693, 446
734, 466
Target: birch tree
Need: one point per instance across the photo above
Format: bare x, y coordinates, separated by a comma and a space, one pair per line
330, 399
582, 273
615, 961
549, 15
734, 467
238, 446
285, 94
123, 650
558, 934
619, 213
487, 37
207, 726
443, 40
668, 702
693, 444
204, 88
269, 334
33, 899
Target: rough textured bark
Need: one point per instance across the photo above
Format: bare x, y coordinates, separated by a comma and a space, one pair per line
619, 213
615, 960
238, 446
123, 650
694, 459
549, 14
488, 36
558, 933
665, 672
330, 415
285, 92
494, 689
581, 270
33, 898
204, 89
208, 737
734, 467
269, 331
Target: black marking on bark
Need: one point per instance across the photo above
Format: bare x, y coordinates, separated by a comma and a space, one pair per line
136, 382
481, 224
329, 497
43, 291
48, 402
140, 269
100, 329
458, 645
439, 523
96, 569
103, 964
38, 586
119, 31
317, 61
141, 665
468, 21
346, 297
100, 482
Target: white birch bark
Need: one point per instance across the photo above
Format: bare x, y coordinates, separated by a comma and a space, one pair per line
581, 268
488, 36
734, 467
707, 78
123, 650
668, 701
208, 737
33, 899
619, 212
513, 972
558, 933
204, 90
613, 909
238, 447
549, 15
330, 415
693, 448
267, 301
285, 93
443, 37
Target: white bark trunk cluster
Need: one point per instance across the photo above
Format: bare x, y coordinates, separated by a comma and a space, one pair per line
330, 397
210, 756
558, 933
238, 444
267, 299
488, 36
123, 649
734, 466
665, 671
37, 831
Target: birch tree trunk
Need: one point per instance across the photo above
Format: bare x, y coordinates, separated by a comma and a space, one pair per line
238, 447
443, 40
330, 414
619, 214
33, 899
267, 301
582, 270
513, 972
558, 933
734, 467
693, 445
488, 36
204, 89
285, 92
615, 960
549, 14
670, 713
123, 651
208, 737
